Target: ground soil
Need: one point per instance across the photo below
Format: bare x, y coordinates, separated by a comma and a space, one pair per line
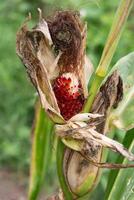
12, 186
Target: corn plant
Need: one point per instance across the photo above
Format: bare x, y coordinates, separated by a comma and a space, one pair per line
81, 112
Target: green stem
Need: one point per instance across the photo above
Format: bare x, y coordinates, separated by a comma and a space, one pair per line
109, 49
60, 156
40, 152
94, 88
47, 145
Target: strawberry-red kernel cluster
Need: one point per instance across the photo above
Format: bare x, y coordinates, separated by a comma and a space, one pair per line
69, 97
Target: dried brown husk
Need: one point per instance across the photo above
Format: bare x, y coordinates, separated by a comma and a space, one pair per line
45, 56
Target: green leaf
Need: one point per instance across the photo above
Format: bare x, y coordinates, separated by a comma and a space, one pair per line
123, 117
121, 182
41, 152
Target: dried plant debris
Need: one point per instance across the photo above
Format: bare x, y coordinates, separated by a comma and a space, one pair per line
94, 140
58, 196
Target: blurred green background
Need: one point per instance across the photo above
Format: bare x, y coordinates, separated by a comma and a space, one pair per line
17, 96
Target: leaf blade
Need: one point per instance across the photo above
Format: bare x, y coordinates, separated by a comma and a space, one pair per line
40, 152
123, 178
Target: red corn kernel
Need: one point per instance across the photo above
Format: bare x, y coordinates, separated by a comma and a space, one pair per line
68, 92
